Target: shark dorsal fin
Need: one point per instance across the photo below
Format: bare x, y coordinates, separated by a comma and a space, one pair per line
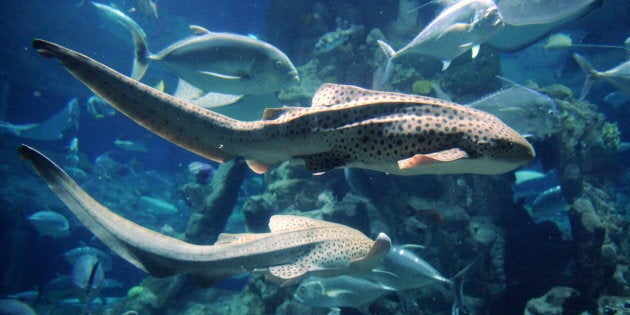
199, 30
278, 223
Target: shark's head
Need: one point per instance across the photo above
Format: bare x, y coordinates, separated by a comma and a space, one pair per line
274, 71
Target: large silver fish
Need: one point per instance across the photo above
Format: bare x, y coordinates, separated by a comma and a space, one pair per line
295, 248
619, 76
214, 62
345, 127
461, 27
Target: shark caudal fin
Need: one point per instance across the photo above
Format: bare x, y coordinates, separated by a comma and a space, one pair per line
590, 73
389, 53
141, 50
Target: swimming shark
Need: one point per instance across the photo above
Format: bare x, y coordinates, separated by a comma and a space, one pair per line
346, 126
295, 248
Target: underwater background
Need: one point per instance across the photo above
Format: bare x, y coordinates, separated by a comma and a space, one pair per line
551, 237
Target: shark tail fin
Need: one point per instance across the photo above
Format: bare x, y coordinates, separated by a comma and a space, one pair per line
457, 281
389, 53
590, 72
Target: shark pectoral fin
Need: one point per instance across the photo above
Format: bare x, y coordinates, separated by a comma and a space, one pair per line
221, 76
275, 113
373, 258
437, 157
457, 27
287, 275
324, 162
258, 167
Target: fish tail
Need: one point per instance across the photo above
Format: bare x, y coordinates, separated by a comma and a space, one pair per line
141, 53
458, 288
139, 38
590, 72
389, 53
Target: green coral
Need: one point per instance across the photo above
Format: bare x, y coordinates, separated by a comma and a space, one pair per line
421, 87
610, 136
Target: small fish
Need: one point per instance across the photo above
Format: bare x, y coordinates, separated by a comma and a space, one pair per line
50, 223
295, 248
72, 255
73, 152
346, 126
525, 110
148, 8
88, 278
16, 130
619, 76
558, 41
158, 206
342, 291
53, 128
98, 108
133, 146
551, 206
334, 39
460, 27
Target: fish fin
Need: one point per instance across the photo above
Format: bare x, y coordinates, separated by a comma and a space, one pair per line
445, 64
378, 251
413, 246
257, 166
275, 113
213, 100
325, 161
220, 75
280, 223
199, 30
457, 27
187, 91
287, 275
228, 238
590, 72
475, 51
339, 292
436, 157
389, 67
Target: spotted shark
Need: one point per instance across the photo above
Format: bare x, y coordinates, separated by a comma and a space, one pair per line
295, 248
346, 126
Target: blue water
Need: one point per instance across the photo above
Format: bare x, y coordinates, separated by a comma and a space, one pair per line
524, 260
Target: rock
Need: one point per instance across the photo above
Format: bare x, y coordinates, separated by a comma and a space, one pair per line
551, 302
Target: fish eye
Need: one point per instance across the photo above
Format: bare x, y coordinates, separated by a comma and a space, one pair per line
279, 64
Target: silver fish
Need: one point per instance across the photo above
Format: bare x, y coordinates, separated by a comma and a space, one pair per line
88, 278
460, 27
342, 291
527, 111
54, 127
345, 127
128, 145
50, 223
295, 248
72, 255
619, 76
98, 108
214, 62
332, 40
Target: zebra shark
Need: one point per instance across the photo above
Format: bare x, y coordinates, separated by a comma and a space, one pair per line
295, 248
346, 126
